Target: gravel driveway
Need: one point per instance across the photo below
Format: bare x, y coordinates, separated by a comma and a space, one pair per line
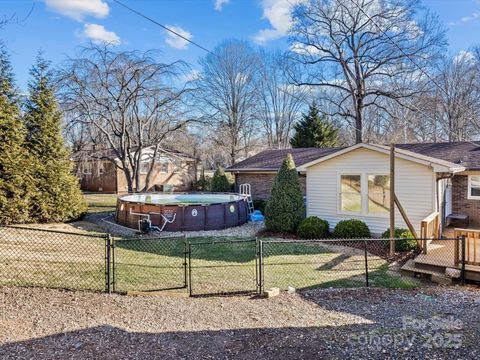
437, 323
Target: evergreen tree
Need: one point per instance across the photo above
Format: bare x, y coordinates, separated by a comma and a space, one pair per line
57, 194
285, 208
220, 181
14, 177
314, 131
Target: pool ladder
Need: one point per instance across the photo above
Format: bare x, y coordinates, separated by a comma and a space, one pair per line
246, 190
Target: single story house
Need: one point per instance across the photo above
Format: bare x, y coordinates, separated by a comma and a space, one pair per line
98, 171
353, 182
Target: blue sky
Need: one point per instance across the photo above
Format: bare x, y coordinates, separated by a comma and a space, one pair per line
60, 27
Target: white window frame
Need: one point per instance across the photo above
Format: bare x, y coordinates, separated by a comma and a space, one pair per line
87, 168
100, 169
363, 194
469, 188
141, 170
161, 167
339, 192
379, 215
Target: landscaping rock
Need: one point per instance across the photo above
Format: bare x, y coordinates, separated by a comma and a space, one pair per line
269, 293
441, 279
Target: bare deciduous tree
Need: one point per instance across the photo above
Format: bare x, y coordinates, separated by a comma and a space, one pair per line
280, 103
227, 94
127, 99
360, 48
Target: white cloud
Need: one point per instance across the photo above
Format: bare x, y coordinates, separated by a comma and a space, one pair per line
176, 41
473, 16
78, 9
192, 75
219, 4
99, 35
279, 14
464, 56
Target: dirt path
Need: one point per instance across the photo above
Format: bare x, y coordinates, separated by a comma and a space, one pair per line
51, 324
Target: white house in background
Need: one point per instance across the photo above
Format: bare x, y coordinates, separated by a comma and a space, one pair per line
354, 182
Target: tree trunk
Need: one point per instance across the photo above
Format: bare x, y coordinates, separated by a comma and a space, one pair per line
358, 121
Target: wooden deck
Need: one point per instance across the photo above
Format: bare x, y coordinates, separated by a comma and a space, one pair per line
442, 254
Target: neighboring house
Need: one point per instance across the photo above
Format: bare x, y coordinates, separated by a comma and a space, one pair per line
353, 182
98, 172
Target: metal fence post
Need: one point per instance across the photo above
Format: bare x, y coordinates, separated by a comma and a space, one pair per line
107, 263
463, 260
366, 263
260, 267
185, 253
190, 269
112, 251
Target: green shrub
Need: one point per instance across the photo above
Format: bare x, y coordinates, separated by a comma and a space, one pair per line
220, 182
407, 243
285, 208
351, 229
260, 204
313, 228
398, 233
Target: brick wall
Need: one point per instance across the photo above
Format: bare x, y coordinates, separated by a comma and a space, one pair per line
262, 184
104, 182
460, 202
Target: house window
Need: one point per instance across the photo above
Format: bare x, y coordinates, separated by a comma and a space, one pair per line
87, 169
100, 169
474, 187
364, 194
144, 167
164, 167
351, 193
378, 194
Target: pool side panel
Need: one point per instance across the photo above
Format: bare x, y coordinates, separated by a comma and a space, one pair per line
186, 217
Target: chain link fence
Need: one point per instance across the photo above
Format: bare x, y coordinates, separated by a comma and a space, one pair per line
47, 258
150, 264
219, 266
222, 267
354, 263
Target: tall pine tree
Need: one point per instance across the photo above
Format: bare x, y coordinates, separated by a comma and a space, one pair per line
57, 194
14, 177
314, 131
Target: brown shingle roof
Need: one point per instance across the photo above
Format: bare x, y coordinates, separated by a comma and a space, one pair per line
466, 154
271, 160
463, 153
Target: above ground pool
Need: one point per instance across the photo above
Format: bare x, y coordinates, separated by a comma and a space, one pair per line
182, 212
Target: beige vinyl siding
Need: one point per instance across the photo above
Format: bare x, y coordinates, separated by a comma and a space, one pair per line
414, 183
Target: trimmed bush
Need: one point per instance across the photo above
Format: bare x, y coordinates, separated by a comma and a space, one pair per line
260, 204
398, 233
220, 182
408, 243
313, 228
285, 208
351, 229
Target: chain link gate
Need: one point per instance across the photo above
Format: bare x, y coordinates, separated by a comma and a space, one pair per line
223, 267
150, 264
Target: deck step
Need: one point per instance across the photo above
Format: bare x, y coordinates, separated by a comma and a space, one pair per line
411, 266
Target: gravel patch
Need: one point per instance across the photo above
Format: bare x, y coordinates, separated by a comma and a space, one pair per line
439, 323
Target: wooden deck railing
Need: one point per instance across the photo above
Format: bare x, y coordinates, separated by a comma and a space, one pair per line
472, 246
429, 229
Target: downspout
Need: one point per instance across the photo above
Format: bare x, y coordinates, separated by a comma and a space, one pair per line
444, 220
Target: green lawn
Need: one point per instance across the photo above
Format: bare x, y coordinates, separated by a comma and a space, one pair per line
37, 258
145, 265
100, 202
